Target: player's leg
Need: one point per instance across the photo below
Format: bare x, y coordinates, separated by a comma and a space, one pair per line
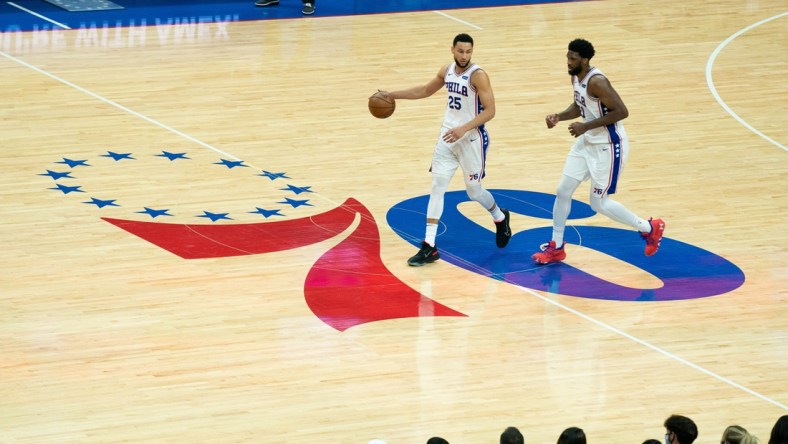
574, 173
440, 183
444, 165
472, 156
606, 168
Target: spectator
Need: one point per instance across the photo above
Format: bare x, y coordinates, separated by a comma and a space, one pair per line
437, 440
308, 9
512, 436
737, 435
572, 435
651, 441
780, 431
680, 430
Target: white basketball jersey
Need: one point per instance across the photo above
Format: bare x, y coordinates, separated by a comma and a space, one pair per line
592, 108
464, 103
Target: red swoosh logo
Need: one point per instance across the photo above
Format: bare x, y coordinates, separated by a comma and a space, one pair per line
347, 286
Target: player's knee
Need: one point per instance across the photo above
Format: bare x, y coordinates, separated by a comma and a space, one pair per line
597, 205
474, 191
440, 184
566, 188
564, 192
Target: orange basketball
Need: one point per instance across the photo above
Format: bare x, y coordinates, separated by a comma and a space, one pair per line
381, 105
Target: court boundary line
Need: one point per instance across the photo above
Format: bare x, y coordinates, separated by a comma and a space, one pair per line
653, 347
39, 15
710, 81
457, 20
117, 105
527, 290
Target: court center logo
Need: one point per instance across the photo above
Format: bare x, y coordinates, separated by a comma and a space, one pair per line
683, 270
349, 284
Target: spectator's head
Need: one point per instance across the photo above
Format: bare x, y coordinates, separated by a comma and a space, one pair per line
512, 436
652, 441
572, 435
737, 435
437, 440
680, 430
780, 431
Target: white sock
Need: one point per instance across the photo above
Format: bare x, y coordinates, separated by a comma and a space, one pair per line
497, 214
432, 231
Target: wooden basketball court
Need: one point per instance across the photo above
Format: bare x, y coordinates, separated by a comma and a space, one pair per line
307, 333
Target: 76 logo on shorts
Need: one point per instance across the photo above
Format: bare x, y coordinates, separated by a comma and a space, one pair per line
473, 176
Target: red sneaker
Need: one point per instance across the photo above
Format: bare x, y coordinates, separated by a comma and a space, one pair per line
654, 237
550, 253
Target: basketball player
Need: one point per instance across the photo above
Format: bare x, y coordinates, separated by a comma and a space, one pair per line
599, 154
463, 142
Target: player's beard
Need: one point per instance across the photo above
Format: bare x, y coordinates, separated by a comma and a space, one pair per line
575, 71
460, 64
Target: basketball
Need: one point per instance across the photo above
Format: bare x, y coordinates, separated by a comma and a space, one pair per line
381, 105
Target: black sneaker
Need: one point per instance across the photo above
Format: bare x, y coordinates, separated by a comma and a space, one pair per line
426, 255
502, 231
266, 2
308, 9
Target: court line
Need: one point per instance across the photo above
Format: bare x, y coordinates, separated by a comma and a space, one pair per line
457, 20
653, 347
38, 15
117, 105
710, 82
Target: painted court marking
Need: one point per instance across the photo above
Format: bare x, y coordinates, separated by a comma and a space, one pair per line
457, 20
710, 82
656, 349
38, 15
533, 293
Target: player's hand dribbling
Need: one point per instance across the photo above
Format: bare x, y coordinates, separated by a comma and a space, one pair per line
552, 120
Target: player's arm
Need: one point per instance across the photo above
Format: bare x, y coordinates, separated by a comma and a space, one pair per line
420, 92
571, 112
481, 82
601, 88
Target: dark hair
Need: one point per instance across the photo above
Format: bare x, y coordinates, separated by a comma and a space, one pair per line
437, 440
465, 38
582, 47
780, 431
684, 428
572, 435
512, 436
652, 441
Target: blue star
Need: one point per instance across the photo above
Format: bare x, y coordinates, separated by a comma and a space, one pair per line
172, 156
273, 176
295, 203
231, 163
297, 190
266, 213
118, 156
215, 216
56, 175
102, 203
66, 189
155, 213
74, 163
